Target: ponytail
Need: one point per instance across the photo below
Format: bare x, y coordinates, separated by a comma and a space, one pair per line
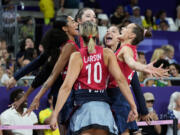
88, 31
140, 34
91, 44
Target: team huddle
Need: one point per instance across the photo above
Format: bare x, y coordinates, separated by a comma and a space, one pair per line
90, 82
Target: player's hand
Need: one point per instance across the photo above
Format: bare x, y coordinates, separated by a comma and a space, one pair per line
156, 72
133, 115
53, 122
34, 106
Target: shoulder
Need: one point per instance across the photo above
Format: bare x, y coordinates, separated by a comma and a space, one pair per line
107, 51
76, 54
75, 57
69, 45
108, 55
126, 48
7, 116
8, 112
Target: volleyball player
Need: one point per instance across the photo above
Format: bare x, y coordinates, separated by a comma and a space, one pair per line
89, 68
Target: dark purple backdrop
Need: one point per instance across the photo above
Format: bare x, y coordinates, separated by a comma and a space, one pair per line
162, 95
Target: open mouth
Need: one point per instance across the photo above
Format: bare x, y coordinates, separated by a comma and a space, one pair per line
108, 39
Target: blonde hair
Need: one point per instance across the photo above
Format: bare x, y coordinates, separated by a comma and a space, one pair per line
172, 101
168, 48
157, 54
88, 30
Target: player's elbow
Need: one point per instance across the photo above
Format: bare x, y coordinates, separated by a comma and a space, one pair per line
66, 87
121, 79
131, 65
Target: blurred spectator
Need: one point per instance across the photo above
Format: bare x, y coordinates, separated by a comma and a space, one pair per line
3, 44
93, 4
28, 57
169, 53
103, 20
129, 8
27, 30
30, 54
158, 54
159, 82
163, 62
103, 23
118, 16
177, 22
13, 116
9, 22
148, 21
6, 65
136, 18
151, 130
47, 7
141, 57
5, 75
45, 117
174, 72
161, 16
68, 7
25, 45
164, 26
174, 111
125, 23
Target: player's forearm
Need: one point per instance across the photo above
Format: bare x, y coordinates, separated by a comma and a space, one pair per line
28, 92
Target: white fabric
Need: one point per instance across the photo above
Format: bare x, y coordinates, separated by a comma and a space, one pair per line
4, 78
103, 17
12, 117
177, 22
102, 32
170, 129
172, 25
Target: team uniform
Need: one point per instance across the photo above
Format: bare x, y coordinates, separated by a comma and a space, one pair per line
120, 106
69, 105
90, 97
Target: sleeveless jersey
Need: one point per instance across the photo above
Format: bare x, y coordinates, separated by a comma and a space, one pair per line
126, 70
93, 75
66, 67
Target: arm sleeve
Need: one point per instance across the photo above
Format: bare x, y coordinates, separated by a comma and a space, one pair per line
31, 66
138, 94
42, 76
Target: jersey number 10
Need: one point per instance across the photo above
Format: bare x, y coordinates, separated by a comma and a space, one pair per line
96, 66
